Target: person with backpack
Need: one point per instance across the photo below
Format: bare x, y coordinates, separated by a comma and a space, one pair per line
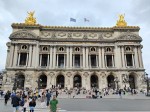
32, 105
48, 96
6, 97
15, 102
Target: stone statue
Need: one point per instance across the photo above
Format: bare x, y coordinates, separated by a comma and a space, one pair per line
125, 78
30, 19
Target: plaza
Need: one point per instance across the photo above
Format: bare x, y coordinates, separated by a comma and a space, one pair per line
111, 103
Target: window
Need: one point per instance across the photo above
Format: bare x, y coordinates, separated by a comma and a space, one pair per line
61, 49
108, 49
77, 49
128, 49
93, 49
129, 60
24, 47
45, 48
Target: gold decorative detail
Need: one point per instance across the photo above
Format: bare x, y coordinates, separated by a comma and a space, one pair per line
121, 22
30, 19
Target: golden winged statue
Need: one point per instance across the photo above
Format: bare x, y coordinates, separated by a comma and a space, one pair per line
30, 19
121, 22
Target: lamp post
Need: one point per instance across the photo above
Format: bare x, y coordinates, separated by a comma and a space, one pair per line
147, 81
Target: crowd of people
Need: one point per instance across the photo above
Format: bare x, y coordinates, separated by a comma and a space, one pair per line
22, 99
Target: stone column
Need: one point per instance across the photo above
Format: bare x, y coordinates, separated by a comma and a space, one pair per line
64, 61
117, 57
136, 57
83, 49
51, 58
48, 61
96, 61
57, 60
27, 59
140, 57
103, 63
54, 57
34, 56
87, 60
123, 62
133, 61
8, 58
67, 66
99, 57
105, 60
40, 59
81, 61
30, 55
18, 59
37, 55
11, 55
15, 56
113, 63
73, 60
70, 57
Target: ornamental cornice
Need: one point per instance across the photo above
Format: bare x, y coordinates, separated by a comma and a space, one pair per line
25, 34
128, 36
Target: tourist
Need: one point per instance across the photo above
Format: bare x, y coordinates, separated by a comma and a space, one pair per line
53, 104
48, 96
120, 91
43, 100
32, 105
15, 102
6, 98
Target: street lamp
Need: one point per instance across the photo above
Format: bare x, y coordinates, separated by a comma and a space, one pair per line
147, 81
116, 80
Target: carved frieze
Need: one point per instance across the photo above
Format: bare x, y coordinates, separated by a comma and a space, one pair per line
23, 34
46, 34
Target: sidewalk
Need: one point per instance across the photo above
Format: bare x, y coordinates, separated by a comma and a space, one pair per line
126, 96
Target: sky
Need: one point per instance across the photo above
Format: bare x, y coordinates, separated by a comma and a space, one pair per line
100, 13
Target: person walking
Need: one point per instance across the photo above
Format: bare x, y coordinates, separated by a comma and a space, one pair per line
53, 104
43, 100
6, 98
15, 102
120, 91
32, 105
48, 96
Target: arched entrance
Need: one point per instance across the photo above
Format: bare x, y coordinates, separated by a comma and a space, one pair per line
42, 82
132, 81
60, 81
77, 81
110, 82
94, 81
19, 81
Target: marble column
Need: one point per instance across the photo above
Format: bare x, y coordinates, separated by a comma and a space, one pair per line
87, 60
48, 61
11, 55
140, 57
99, 57
30, 56
54, 57
117, 57
133, 60
15, 56
70, 57
51, 57
18, 59
40, 59
136, 57
83, 49
37, 55
123, 59
103, 59
27, 59
34, 56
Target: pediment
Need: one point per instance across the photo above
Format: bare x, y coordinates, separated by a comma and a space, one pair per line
129, 36
23, 34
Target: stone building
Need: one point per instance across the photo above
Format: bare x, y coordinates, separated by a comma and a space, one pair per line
44, 56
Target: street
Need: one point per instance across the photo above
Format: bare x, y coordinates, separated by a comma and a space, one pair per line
91, 105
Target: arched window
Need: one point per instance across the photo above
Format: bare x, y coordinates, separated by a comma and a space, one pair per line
77, 49
93, 49
108, 49
45, 48
24, 47
128, 49
61, 49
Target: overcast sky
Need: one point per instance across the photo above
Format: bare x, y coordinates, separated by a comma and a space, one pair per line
101, 13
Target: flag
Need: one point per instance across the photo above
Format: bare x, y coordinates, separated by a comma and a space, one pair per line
86, 20
72, 20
